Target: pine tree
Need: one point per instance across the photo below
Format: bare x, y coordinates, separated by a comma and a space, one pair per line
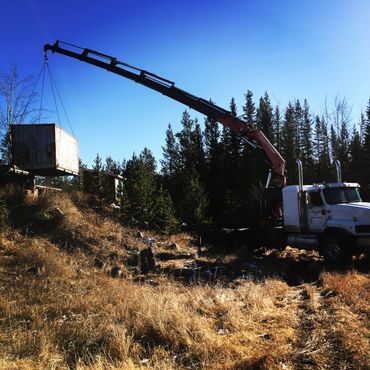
298, 118
170, 161
231, 160
366, 135
306, 143
249, 109
251, 171
171, 165
264, 117
164, 220
277, 129
365, 178
321, 150
199, 153
289, 142
192, 165
356, 157
111, 166
194, 202
186, 147
214, 174
344, 149
231, 147
212, 141
140, 189
97, 185
362, 127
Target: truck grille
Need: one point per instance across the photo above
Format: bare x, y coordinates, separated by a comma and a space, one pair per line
362, 229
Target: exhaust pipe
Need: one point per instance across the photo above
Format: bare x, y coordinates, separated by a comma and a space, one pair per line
339, 170
301, 198
300, 175
268, 181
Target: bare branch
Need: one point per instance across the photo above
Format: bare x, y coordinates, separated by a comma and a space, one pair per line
17, 102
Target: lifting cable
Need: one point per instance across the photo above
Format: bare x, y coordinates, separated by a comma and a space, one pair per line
24, 113
42, 93
52, 90
53, 83
55, 93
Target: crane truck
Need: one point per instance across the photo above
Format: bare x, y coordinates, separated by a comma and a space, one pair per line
328, 217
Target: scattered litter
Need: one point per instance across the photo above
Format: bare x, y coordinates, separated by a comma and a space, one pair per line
151, 282
222, 331
327, 293
114, 206
149, 241
265, 336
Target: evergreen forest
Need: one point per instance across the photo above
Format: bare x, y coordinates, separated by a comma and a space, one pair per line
209, 175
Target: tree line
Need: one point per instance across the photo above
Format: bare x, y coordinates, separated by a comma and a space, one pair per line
209, 175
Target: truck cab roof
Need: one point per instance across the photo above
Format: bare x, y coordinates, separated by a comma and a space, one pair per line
313, 187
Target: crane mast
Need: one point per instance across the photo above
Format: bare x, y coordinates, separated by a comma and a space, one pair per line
247, 132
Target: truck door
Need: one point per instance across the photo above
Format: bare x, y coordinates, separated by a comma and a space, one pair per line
316, 213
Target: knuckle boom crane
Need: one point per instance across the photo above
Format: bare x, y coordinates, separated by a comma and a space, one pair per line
330, 217
247, 132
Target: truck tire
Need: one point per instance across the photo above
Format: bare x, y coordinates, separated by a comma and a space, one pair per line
336, 250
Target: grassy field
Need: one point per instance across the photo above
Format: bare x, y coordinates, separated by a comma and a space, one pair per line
60, 308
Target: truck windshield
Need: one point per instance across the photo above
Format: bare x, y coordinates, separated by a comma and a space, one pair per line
341, 195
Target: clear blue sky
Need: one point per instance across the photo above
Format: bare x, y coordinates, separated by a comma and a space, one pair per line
314, 49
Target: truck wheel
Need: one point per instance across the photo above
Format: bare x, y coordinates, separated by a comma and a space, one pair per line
335, 251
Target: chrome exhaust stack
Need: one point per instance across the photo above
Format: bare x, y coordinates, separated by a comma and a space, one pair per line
300, 175
339, 170
268, 181
302, 200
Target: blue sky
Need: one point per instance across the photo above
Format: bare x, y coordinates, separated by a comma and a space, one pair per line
314, 49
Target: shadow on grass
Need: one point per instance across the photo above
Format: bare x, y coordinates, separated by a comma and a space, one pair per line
235, 256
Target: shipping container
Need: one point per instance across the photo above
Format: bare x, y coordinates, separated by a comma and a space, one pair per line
44, 149
111, 184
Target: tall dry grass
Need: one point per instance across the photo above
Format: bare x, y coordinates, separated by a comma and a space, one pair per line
67, 314
64, 319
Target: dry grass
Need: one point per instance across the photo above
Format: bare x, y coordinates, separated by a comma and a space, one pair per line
71, 314
84, 320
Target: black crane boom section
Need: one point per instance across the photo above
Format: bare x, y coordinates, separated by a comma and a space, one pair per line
142, 77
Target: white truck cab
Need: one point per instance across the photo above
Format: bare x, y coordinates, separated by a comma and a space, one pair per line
330, 217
